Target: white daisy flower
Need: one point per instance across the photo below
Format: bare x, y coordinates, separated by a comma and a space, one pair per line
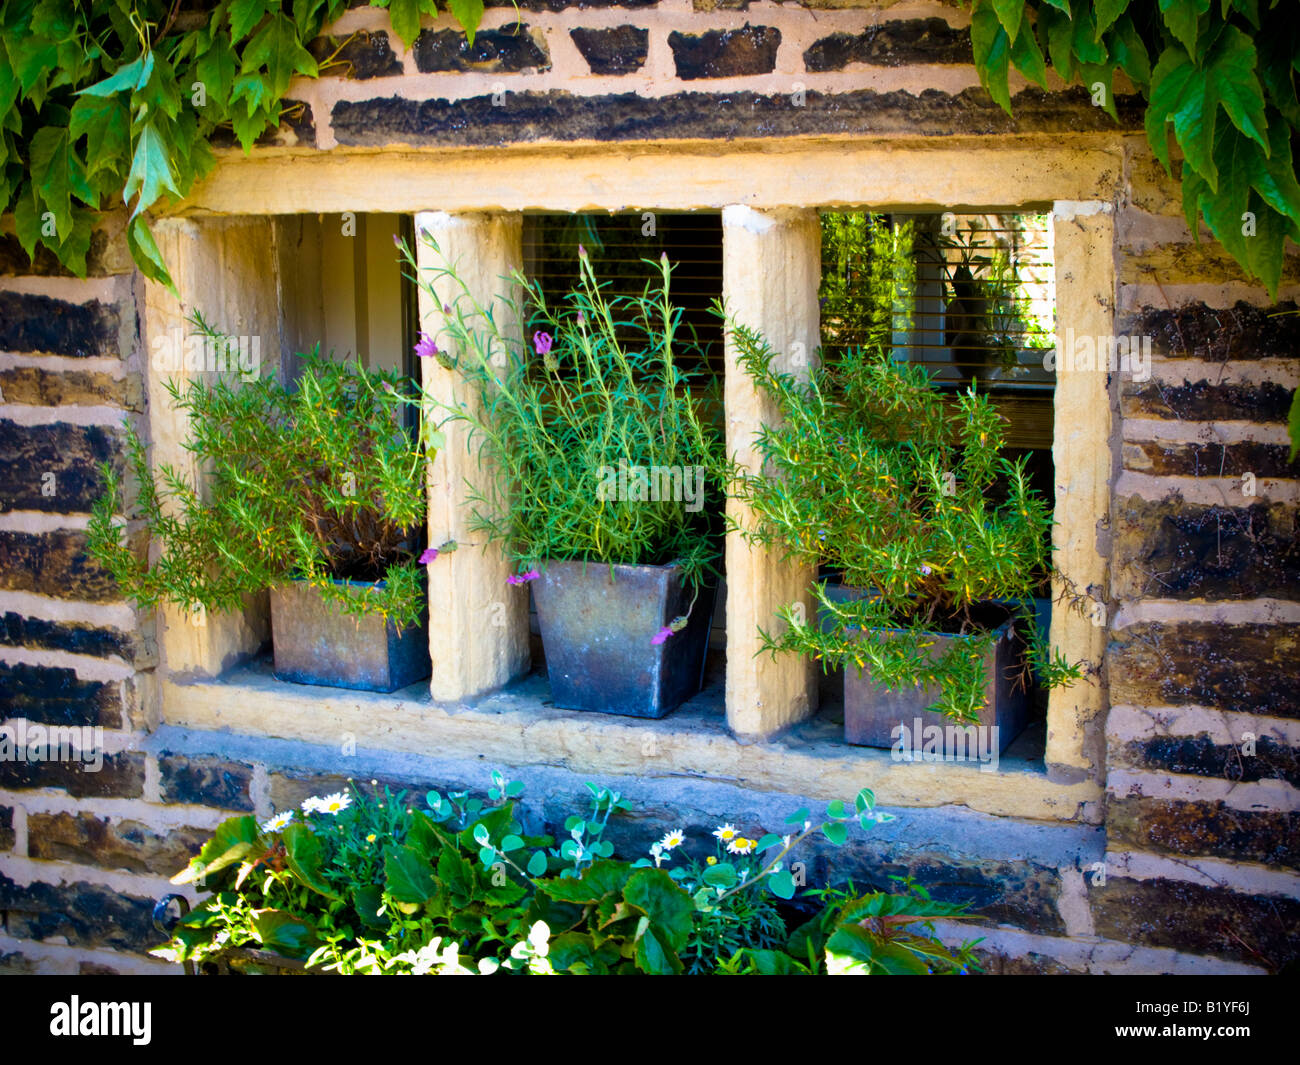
278, 822
726, 833
312, 805
741, 845
335, 804
675, 838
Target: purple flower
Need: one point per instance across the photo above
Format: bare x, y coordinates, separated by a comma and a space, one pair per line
925, 571
446, 309
428, 555
661, 636
426, 348
523, 578
397, 241
582, 252
542, 342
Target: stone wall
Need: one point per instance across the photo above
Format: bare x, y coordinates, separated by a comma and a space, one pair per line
1191, 863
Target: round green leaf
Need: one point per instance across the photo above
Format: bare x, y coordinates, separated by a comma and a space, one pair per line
836, 833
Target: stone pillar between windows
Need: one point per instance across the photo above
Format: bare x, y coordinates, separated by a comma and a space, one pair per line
1083, 238
478, 624
771, 269
225, 268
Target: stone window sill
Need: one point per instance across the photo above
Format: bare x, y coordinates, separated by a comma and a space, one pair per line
518, 726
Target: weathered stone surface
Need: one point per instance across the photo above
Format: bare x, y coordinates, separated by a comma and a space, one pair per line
617, 50
892, 44
89, 840
16, 630
725, 53
1209, 460
40, 324
1204, 663
509, 50
56, 696
120, 777
1201, 401
87, 915
1196, 919
16, 964
56, 468
1202, 756
1207, 828
360, 55
564, 5
205, 782
720, 5
46, 388
6, 828
561, 116
54, 564
1216, 333
1031, 964
1179, 550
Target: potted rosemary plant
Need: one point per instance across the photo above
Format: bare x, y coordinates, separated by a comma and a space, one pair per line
941, 543
603, 467
315, 492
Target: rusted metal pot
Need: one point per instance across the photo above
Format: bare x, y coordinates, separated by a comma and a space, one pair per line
598, 624
314, 642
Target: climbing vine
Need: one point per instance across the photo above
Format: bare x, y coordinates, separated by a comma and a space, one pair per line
1219, 75
109, 102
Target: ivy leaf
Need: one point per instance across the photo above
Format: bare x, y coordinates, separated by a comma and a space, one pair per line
27, 219
127, 78
1130, 54
992, 53
405, 17
1107, 11
106, 124
1010, 13
1028, 57
1293, 425
1059, 33
32, 59
278, 48
58, 174
469, 13
216, 70
244, 15
1230, 79
1167, 83
1182, 17
151, 171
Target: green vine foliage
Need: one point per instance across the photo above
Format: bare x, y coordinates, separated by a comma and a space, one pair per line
110, 102
1220, 75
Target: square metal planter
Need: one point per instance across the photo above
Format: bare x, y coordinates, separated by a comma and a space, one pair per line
597, 624
314, 642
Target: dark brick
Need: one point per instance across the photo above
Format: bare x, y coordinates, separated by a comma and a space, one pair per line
297, 128
566, 5
53, 388
120, 777
509, 50
360, 56
6, 828
55, 564
32, 323
725, 53
89, 840
290, 788
1209, 460
1177, 550
1198, 919
892, 44
1204, 828
556, 115
1200, 401
617, 50
55, 696
16, 630
206, 782
1202, 756
73, 454
1016, 893
1218, 334
88, 915
1228, 667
